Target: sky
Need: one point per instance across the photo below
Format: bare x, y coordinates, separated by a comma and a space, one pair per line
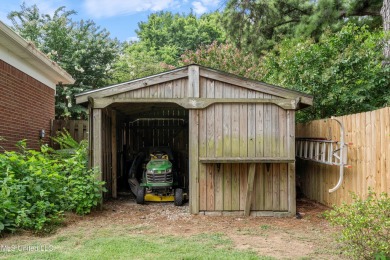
119, 17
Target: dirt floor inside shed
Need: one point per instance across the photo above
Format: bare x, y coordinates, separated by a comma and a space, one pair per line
282, 238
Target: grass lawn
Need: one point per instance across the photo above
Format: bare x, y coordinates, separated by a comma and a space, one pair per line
126, 230
129, 246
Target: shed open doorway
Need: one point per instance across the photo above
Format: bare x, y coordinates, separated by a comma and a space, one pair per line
143, 128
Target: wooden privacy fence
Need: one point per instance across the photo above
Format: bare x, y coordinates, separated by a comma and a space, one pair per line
369, 156
78, 129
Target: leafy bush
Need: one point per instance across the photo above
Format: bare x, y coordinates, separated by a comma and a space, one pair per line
36, 187
365, 226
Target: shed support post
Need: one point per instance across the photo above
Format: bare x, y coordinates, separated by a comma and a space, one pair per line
193, 91
97, 136
249, 192
114, 154
194, 161
292, 203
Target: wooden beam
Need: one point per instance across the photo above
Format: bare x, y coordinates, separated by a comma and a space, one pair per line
97, 161
114, 154
291, 166
133, 85
194, 161
197, 103
246, 160
193, 81
249, 192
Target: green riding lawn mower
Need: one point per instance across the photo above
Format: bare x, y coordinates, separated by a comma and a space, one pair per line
153, 177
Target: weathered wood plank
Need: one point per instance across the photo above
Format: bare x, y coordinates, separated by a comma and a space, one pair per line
227, 186
202, 167
275, 132
235, 128
283, 187
218, 186
210, 168
218, 138
291, 166
210, 121
218, 122
243, 184
114, 153
249, 192
227, 124
276, 187
194, 161
235, 186
259, 122
252, 136
193, 81
188, 103
243, 125
97, 159
245, 160
259, 187
267, 130
268, 184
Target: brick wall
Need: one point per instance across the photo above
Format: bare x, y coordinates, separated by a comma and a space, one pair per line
26, 107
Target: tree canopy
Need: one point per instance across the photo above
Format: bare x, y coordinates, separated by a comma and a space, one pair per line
83, 49
333, 49
258, 25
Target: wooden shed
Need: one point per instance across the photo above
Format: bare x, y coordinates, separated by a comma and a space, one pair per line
234, 137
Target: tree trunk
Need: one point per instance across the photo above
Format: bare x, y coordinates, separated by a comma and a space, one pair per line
385, 12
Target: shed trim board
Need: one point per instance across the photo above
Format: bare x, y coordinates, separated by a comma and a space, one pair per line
240, 143
196, 103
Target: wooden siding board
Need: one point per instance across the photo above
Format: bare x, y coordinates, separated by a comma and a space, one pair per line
202, 166
283, 187
235, 128
259, 122
218, 129
243, 184
235, 186
194, 162
210, 187
249, 191
193, 91
243, 137
227, 187
97, 159
291, 166
252, 126
259, 187
114, 153
276, 187
267, 129
268, 184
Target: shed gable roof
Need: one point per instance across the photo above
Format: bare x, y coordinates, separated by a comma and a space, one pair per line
183, 72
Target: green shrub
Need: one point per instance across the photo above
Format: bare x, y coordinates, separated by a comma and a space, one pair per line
365, 224
36, 187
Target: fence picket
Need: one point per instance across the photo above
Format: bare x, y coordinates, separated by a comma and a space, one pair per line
369, 155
